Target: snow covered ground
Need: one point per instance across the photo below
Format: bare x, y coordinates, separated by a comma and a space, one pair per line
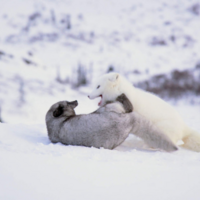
43, 46
33, 168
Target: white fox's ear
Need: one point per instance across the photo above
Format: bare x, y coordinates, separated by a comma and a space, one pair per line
114, 77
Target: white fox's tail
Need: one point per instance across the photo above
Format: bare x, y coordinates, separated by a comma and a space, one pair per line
192, 140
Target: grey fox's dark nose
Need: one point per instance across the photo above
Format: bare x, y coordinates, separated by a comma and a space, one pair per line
73, 103
89, 96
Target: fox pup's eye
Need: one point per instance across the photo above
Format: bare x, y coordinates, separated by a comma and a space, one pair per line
98, 86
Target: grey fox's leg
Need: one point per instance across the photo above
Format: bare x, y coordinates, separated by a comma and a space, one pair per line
128, 107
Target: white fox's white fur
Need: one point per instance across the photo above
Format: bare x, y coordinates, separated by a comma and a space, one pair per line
153, 108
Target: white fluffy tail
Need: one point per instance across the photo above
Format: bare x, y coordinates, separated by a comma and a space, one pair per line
192, 140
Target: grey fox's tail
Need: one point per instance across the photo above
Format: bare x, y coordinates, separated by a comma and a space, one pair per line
192, 140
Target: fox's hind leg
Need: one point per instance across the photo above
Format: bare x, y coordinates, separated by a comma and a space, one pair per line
151, 135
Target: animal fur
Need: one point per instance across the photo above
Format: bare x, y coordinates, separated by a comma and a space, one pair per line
158, 112
107, 127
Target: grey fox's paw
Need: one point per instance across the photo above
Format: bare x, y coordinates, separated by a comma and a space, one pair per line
125, 102
121, 98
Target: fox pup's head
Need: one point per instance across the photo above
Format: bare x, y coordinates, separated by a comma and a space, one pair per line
107, 87
62, 109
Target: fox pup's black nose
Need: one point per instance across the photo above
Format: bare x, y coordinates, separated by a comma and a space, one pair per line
73, 103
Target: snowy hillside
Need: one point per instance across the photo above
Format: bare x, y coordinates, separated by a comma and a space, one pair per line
49, 48
52, 50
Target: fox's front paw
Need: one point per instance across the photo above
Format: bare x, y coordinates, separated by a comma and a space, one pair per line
128, 107
121, 98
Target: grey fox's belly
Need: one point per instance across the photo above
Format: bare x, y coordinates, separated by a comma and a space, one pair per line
97, 122
99, 130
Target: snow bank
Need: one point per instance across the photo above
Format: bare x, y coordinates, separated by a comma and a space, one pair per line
33, 168
42, 44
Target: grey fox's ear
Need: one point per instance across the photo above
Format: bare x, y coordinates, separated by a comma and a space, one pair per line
58, 111
114, 77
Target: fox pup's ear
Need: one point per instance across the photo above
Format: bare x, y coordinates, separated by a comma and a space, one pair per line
58, 111
114, 77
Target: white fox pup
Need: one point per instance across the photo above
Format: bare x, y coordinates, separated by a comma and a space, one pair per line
151, 107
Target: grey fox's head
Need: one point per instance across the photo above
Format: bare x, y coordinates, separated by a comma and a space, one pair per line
62, 109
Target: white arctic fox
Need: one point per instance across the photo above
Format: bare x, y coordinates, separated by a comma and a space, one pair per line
151, 107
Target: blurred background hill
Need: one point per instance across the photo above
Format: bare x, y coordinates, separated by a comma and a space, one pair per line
52, 50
